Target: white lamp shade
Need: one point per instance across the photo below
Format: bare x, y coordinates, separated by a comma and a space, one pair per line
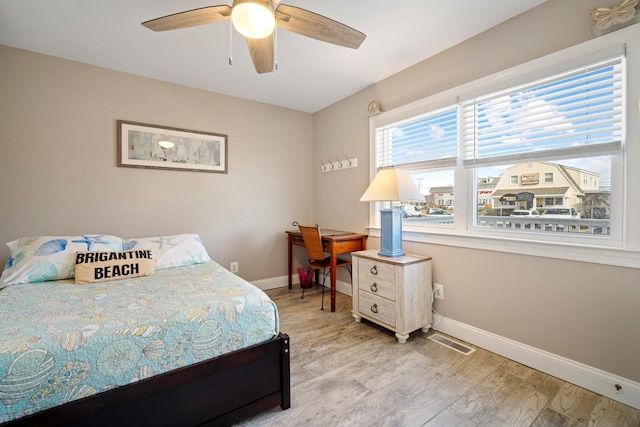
253, 18
392, 184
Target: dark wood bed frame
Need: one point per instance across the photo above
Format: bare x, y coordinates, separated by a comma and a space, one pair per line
216, 392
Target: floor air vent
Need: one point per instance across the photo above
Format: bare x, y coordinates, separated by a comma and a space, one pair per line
453, 345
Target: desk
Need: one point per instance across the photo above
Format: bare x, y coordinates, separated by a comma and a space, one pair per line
334, 242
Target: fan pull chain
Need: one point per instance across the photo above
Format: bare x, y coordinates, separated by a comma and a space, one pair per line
230, 42
276, 49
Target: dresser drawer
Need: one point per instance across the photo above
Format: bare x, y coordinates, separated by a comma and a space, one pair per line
377, 308
394, 292
375, 270
378, 287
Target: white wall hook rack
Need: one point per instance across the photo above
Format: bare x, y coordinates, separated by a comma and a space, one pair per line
332, 166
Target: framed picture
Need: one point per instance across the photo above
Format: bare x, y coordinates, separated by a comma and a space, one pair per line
142, 145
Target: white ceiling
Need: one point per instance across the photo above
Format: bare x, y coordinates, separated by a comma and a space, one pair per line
311, 74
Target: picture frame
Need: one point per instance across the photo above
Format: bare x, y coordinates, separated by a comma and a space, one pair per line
143, 145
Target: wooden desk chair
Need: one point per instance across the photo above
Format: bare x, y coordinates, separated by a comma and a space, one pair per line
317, 258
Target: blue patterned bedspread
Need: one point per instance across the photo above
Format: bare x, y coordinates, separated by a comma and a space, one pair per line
60, 341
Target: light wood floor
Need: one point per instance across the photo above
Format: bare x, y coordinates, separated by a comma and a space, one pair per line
345, 373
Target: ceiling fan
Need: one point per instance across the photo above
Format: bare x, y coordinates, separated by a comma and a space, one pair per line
257, 19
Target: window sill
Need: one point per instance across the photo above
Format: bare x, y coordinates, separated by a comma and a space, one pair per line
568, 251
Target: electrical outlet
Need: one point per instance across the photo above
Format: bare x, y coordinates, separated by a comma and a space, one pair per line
234, 267
438, 291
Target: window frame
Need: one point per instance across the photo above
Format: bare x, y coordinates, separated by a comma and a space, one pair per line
621, 248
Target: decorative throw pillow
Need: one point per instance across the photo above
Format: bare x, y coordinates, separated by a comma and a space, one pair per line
172, 251
44, 258
92, 267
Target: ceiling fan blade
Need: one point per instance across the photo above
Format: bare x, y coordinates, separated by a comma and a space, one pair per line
190, 18
261, 51
318, 27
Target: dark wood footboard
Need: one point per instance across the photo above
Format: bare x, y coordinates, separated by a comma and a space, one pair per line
219, 391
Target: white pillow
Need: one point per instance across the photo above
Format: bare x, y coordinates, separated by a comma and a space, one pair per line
171, 251
44, 258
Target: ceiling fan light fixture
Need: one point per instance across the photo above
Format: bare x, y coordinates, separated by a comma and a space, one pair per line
166, 144
253, 18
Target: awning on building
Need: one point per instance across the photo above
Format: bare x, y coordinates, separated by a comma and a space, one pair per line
538, 192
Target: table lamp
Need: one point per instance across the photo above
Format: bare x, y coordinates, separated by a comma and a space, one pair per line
391, 185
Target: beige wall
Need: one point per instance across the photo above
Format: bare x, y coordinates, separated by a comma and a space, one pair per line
584, 312
58, 172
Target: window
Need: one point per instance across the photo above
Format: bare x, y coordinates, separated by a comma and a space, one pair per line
553, 126
424, 142
556, 124
552, 201
427, 145
549, 134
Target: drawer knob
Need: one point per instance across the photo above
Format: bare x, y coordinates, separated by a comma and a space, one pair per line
373, 270
374, 308
374, 287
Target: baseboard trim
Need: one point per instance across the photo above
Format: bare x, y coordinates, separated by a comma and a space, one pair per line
582, 375
273, 283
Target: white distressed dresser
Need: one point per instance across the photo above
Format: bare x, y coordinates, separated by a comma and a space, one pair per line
393, 292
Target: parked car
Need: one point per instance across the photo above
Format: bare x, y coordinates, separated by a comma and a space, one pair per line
410, 210
561, 212
525, 213
438, 211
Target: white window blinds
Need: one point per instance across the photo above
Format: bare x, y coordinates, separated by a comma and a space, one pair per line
574, 114
425, 141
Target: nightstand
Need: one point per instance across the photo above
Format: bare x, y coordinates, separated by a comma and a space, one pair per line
393, 292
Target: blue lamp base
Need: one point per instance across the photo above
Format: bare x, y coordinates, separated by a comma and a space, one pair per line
391, 233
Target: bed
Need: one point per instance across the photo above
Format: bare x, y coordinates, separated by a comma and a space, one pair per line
174, 339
